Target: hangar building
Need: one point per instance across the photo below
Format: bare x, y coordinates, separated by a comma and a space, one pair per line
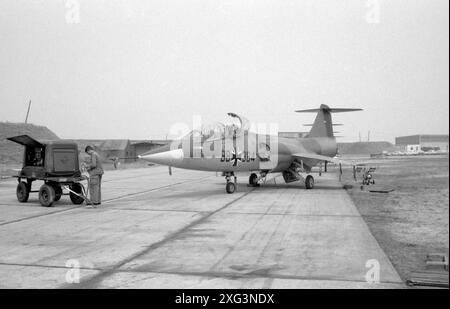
429, 142
116, 149
140, 147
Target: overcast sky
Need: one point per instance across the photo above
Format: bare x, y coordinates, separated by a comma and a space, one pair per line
131, 69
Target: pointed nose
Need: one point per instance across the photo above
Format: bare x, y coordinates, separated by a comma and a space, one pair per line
169, 157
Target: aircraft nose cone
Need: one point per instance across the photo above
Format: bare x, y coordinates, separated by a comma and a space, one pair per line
170, 157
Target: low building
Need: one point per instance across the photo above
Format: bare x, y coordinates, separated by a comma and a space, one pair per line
426, 143
293, 134
117, 148
142, 146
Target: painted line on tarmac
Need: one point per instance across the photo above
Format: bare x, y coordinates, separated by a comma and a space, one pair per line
40, 215
46, 266
95, 280
134, 177
105, 201
153, 189
291, 214
160, 210
254, 274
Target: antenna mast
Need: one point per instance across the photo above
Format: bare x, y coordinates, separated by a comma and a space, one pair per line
28, 111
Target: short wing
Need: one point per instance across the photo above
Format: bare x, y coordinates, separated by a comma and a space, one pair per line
314, 156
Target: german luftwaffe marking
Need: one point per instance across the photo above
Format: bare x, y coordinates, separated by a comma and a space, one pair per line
235, 157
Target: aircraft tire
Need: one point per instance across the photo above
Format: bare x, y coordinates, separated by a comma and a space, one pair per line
252, 179
230, 187
309, 182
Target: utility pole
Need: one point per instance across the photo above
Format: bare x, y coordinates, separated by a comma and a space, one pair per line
360, 137
28, 111
368, 136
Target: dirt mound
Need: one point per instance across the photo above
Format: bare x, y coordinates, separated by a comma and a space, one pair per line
11, 153
365, 148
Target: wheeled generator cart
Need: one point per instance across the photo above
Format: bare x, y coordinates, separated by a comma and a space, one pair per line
56, 164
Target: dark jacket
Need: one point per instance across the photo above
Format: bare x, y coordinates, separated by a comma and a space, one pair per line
95, 166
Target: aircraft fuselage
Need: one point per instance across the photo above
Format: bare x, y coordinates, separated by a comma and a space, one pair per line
247, 152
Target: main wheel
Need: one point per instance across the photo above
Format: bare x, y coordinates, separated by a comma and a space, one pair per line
22, 192
252, 180
46, 195
77, 200
230, 187
309, 182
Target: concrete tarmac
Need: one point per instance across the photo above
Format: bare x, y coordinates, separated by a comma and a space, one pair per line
184, 231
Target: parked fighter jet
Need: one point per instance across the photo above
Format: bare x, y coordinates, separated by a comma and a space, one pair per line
232, 149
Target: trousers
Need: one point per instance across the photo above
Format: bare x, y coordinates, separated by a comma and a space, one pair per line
95, 189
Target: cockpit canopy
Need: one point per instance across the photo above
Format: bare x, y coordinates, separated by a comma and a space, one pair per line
219, 130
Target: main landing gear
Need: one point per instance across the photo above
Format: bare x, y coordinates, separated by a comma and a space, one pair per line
309, 182
231, 185
253, 180
297, 173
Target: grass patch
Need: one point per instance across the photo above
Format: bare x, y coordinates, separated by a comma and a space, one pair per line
413, 220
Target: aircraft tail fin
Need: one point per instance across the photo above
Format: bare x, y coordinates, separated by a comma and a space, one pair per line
323, 124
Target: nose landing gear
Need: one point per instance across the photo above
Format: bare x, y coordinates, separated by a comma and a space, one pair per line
231, 186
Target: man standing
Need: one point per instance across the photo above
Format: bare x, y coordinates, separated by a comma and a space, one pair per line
95, 171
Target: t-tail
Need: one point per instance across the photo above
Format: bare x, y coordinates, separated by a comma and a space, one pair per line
323, 124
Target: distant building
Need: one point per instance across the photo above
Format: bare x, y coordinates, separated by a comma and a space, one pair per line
417, 143
140, 147
117, 148
293, 134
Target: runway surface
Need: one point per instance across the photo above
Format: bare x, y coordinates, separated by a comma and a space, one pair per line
184, 231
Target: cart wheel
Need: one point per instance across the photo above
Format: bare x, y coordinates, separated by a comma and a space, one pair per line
22, 192
76, 187
46, 195
58, 192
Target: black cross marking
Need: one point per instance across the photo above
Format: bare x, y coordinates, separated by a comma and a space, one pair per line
235, 158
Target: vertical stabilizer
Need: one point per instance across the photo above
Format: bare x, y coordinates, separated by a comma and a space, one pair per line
323, 124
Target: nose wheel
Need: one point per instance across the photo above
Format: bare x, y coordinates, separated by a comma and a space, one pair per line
231, 186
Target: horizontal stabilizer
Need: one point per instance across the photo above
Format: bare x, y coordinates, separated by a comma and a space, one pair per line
323, 124
331, 110
311, 124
